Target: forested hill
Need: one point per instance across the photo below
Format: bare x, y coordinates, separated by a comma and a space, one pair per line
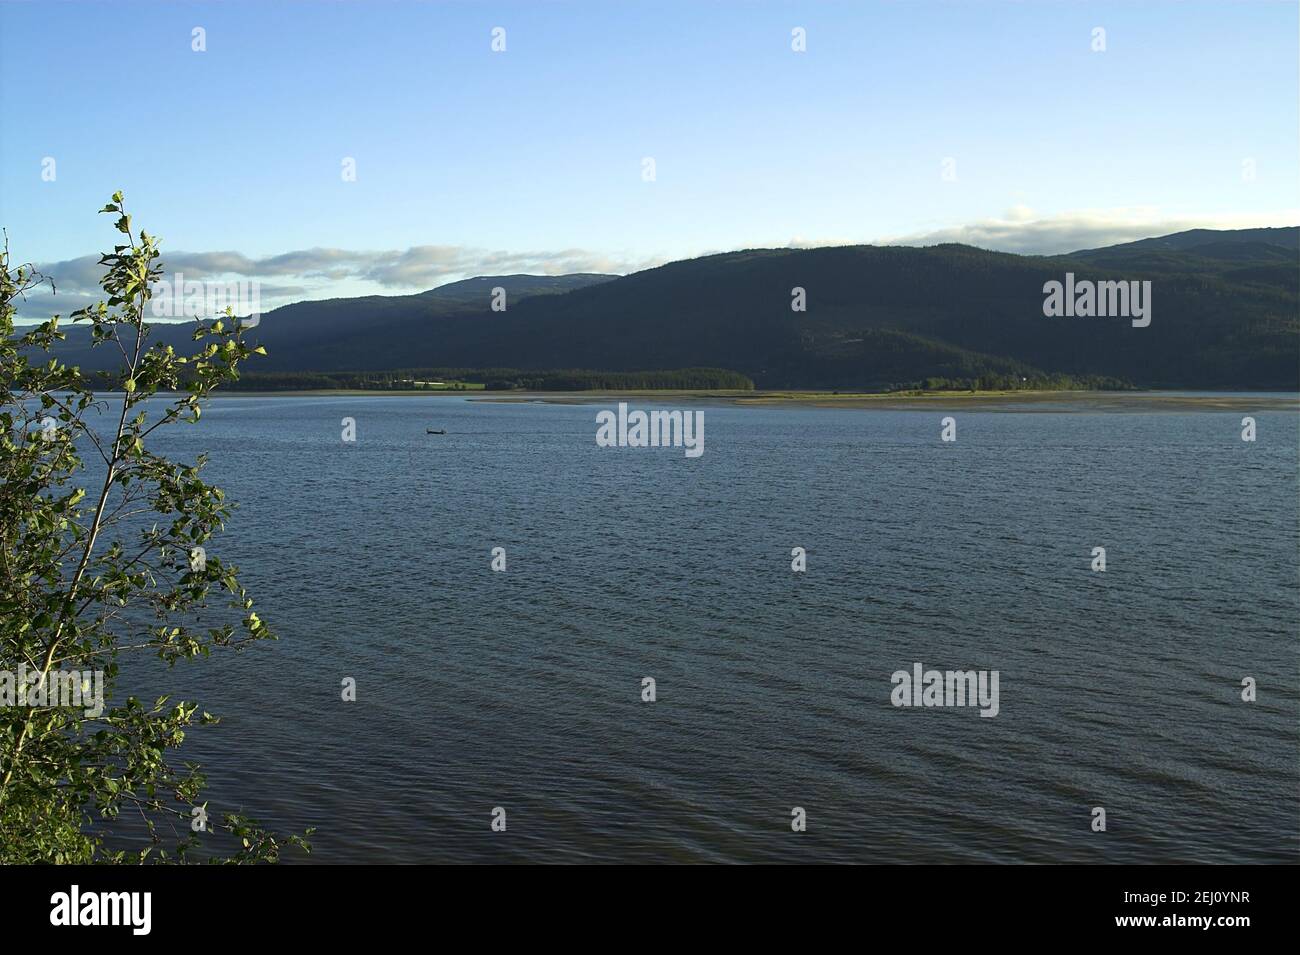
1223, 315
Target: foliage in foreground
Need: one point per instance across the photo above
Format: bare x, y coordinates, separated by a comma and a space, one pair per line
93, 566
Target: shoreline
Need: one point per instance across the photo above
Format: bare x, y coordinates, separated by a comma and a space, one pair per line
1044, 401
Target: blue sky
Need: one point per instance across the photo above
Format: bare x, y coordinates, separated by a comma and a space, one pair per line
470, 161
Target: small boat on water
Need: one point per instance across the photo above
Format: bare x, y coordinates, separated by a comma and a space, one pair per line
431, 431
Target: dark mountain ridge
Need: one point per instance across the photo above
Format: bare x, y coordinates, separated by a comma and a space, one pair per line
1223, 306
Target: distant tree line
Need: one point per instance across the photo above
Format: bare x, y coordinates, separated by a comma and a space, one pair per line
994, 382
490, 379
682, 379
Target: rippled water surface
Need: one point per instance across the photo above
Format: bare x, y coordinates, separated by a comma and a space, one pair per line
522, 689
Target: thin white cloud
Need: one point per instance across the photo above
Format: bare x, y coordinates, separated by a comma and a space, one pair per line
1022, 231
323, 272
414, 269
1019, 230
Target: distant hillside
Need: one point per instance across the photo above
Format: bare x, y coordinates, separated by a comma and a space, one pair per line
1268, 256
341, 333
348, 333
1225, 315
1203, 240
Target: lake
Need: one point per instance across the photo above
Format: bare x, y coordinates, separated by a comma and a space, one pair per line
522, 689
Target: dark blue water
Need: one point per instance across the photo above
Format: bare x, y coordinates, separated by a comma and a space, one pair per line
522, 689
